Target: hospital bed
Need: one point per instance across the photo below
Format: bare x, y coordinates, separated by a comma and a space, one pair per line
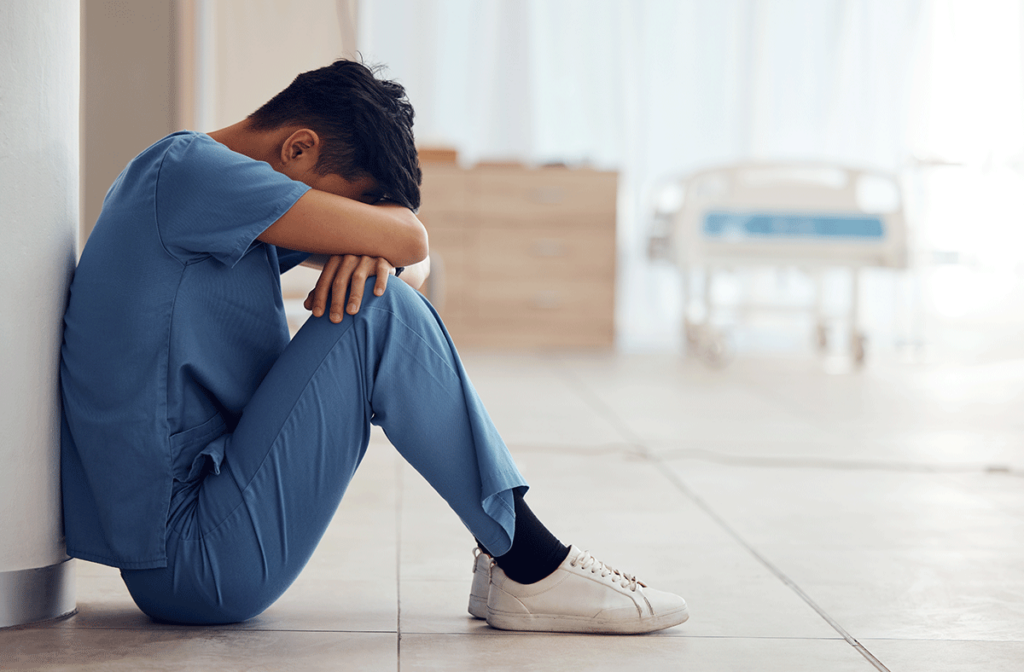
783, 215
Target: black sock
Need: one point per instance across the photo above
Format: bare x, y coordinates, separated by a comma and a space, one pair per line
535, 552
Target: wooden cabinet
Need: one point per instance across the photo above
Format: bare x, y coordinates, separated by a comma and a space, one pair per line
522, 257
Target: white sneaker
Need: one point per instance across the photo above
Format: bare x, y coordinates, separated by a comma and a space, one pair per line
582, 595
481, 583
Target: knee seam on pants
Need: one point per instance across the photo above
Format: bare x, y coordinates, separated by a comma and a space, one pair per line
417, 334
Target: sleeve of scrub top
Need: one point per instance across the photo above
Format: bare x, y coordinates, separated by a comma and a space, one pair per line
211, 201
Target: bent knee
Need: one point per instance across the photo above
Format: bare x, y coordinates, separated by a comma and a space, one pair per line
399, 295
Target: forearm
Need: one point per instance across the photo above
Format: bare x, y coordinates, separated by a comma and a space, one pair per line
324, 223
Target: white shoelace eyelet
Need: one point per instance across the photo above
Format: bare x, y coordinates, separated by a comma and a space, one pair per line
587, 561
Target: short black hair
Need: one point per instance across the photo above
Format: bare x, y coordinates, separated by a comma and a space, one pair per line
364, 123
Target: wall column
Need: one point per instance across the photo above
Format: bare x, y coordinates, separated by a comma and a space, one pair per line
39, 94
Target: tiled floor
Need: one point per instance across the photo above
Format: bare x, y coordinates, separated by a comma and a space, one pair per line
814, 522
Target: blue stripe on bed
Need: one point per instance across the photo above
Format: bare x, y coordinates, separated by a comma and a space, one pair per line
737, 225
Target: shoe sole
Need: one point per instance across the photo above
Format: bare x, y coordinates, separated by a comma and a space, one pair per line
580, 624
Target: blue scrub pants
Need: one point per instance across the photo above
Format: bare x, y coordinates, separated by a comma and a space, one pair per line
238, 538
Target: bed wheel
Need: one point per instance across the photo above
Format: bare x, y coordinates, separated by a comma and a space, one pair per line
693, 333
714, 347
858, 348
821, 337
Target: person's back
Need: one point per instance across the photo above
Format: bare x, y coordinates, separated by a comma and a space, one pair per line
148, 377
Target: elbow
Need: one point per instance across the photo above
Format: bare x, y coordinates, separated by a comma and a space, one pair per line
422, 245
417, 246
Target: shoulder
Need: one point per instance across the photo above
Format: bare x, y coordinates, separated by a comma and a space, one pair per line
174, 144
198, 163
193, 151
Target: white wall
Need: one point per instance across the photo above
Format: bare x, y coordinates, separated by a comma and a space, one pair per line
128, 89
39, 75
256, 48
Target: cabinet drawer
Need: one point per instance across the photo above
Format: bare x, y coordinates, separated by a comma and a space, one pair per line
549, 332
542, 314
522, 257
497, 299
550, 197
516, 254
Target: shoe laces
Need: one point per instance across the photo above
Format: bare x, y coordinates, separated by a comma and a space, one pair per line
587, 561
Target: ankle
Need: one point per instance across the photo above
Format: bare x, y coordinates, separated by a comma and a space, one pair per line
538, 567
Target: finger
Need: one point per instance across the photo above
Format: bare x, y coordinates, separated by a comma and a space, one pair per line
382, 277
355, 290
318, 302
340, 286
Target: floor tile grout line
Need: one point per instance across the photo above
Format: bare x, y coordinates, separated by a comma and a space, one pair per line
398, 564
212, 628
835, 464
779, 574
606, 411
639, 445
706, 455
553, 635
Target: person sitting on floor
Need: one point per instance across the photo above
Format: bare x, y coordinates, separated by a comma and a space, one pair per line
204, 452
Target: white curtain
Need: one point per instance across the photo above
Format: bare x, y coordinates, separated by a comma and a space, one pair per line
652, 87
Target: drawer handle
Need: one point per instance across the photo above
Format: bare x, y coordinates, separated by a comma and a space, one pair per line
548, 247
547, 300
548, 195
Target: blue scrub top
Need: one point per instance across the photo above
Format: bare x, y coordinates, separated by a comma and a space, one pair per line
175, 317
